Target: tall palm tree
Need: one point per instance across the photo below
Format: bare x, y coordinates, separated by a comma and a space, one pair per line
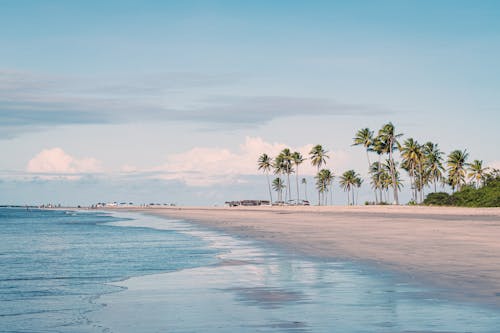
365, 138
389, 138
433, 163
379, 147
358, 182
264, 163
477, 173
324, 179
387, 177
457, 163
348, 181
376, 179
279, 168
318, 157
286, 156
412, 155
279, 186
297, 159
304, 182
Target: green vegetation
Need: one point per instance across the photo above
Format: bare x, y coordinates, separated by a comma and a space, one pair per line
324, 182
427, 167
470, 196
349, 181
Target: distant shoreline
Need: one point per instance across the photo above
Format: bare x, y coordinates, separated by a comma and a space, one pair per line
454, 249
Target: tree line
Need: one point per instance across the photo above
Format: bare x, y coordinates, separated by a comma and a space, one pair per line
288, 162
425, 165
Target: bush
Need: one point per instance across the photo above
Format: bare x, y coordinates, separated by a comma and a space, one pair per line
438, 199
486, 196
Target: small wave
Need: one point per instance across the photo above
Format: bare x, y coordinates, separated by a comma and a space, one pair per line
44, 278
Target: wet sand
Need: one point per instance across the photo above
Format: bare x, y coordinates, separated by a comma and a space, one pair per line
454, 249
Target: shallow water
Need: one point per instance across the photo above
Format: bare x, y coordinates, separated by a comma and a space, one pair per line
69, 272
257, 289
54, 264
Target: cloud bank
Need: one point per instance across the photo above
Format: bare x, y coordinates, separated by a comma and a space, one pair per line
31, 101
202, 166
54, 162
196, 167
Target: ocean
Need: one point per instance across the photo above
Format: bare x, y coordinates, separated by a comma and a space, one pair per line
88, 271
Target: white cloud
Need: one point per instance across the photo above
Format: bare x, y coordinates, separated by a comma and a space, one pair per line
55, 162
202, 166
199, 166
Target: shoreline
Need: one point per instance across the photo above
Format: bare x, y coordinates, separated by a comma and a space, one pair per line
258, 285
455, 250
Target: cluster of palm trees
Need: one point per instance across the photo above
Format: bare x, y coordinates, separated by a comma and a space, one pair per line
425, 165
284, 164
422, 162
383, 174
288, 162
349, 181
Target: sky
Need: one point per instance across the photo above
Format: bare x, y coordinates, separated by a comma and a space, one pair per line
173, 101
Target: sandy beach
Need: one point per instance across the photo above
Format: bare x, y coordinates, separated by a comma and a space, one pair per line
456, 250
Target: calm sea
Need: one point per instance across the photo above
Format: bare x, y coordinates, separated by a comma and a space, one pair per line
55, 264
94, 272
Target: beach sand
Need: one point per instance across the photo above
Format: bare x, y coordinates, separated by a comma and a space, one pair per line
456, 250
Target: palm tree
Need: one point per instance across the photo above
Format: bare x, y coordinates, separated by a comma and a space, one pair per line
389, 139
348, 181
265, 165
477, 173
358, 182
433, 163
279, 168
365, 137
304, 181
491, 175
286, 156
318, 157
324, 179
387, 177
457, 162
278, 186
379, 147
376, 179
297, 159
412, 156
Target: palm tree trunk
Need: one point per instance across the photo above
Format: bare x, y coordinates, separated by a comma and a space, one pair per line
297, 183
412, 185
421, 181
289, 186
369, 165
353, 196
393, 175
319, 192
269, 186
331, 194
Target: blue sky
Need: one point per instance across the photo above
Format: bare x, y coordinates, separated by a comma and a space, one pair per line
104, 101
